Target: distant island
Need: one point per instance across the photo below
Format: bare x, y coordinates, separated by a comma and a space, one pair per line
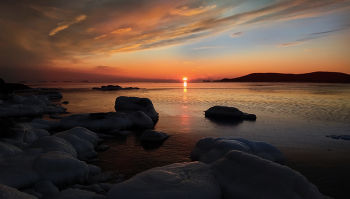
318, 77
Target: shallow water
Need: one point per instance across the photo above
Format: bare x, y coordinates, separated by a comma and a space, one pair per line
295, 117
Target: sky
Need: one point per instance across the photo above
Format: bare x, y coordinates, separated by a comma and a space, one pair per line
166, 40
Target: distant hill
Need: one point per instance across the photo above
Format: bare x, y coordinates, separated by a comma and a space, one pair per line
319, 77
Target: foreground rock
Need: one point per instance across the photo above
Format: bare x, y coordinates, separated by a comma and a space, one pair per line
28, 106
236, 175
113, 88
131, 104
181, 180
228, 112
210, 149
46, 163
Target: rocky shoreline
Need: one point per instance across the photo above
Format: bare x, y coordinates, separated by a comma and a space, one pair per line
54, 159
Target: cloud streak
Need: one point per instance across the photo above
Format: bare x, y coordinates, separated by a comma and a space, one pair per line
66, 24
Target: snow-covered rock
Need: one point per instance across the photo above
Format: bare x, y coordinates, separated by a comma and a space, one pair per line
154, 136
228, 112
210, 149
97, 121
131, 104
242, 175
19, 110
17, 171
180, 180
84, 149
50, 124
141, 120
53, 109
7, 150
7, 192
52, 143
94, 170
77, 194
46, 188
61, 168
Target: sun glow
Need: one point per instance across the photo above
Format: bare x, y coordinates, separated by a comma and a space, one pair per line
185, 78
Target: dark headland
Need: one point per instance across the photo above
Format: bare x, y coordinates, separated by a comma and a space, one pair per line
318, 77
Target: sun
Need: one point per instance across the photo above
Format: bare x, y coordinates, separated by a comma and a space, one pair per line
185, 78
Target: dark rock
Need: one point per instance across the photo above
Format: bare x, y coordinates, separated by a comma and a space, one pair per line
133, 104
228, 112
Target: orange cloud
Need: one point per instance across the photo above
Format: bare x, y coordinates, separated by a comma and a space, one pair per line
99, 37
119, 31
185, 11
66, 24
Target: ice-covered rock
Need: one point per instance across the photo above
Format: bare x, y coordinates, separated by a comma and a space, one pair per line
33, 193
61, 168
180, 180
210, 149
141, 120
84, 149
53, 109
19, 110
242, 175
77, 194
97, 121
7, 192
52, 143
51, 94
154, 136
98, 178
46, 189
228, 112
22, 134
7, 150
84, 134
17, 171
50, 124
94, 170
131, 104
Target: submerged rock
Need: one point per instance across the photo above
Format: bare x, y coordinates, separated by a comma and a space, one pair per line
210, 149
228, 112
132, 104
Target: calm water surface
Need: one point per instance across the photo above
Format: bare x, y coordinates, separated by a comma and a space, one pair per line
295, 117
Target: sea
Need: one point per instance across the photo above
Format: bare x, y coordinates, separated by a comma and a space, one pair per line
294, 117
